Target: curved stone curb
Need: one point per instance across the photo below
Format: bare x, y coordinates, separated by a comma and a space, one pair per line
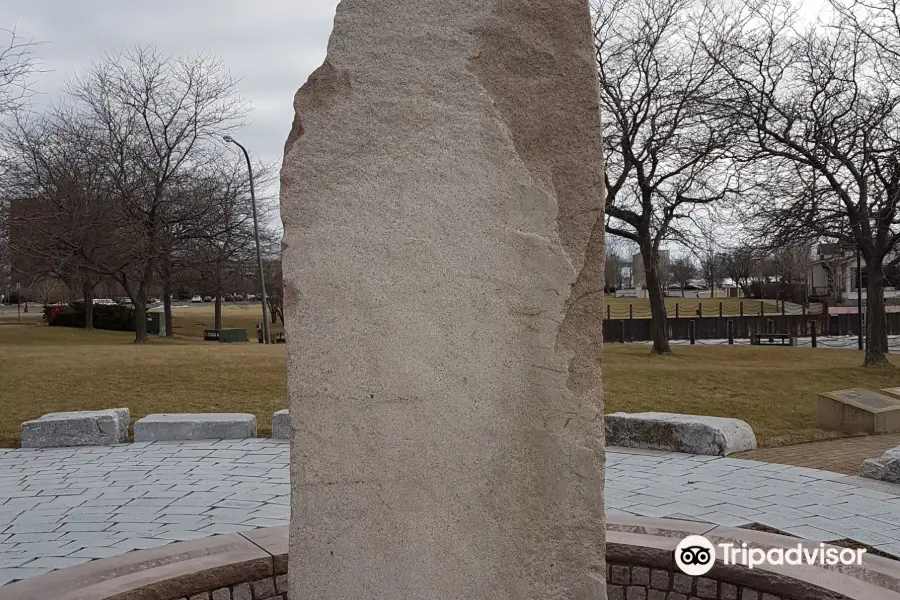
639, 553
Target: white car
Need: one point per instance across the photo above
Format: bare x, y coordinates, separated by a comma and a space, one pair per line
196, 299
105, 301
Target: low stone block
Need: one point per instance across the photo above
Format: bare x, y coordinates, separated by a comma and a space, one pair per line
281, 425
885, 468
79, 428
693, 434
857, 410
195, 426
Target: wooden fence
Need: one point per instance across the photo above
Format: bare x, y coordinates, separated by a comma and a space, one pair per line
713, 328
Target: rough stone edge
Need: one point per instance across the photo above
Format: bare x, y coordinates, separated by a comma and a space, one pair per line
725, 451
634, 541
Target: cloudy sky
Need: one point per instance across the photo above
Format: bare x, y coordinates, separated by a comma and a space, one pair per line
273, 44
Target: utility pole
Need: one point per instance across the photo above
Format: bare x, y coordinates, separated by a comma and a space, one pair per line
259, 261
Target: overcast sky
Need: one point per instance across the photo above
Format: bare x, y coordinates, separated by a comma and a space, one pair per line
273, 44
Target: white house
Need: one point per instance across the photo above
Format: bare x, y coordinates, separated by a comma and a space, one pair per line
833, 275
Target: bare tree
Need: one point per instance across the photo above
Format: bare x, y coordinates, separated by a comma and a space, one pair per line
667, 158
683, 271
59, 216
18, 62
819, 105
160, 118
741, 264
275, 288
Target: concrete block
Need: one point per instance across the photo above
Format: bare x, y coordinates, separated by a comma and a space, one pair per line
195, 426
281, 425
857, 410
79, 428
693, 434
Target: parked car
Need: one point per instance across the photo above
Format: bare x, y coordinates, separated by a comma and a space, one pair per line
196, 299
207, 298
105, 301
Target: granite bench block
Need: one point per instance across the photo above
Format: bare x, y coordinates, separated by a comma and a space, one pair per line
692, 434
195, 426
281, 425
78, 428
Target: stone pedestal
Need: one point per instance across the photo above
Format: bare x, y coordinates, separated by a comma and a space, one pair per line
858, 410
442, 201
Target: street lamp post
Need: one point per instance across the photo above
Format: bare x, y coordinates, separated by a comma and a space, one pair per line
259, 262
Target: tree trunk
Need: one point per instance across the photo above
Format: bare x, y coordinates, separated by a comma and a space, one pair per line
140, 315
88, 296
167, 307
167, 294
218, 319
876, 318
658, 325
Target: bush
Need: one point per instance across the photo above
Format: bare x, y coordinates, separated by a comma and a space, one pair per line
109, 317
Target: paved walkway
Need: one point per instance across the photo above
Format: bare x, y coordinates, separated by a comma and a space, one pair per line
843, 455
62, 507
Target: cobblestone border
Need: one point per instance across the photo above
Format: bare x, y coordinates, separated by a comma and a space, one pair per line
639, 552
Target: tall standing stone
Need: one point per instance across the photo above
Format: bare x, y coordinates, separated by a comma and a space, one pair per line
442, 202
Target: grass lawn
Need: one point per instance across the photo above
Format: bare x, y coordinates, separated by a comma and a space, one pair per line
46, 369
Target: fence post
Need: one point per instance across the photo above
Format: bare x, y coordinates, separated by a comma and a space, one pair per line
742, 308
608, 313
783, 308
693, 332
730, 332
631, 311
622, 338
771, 330
762, 308
700, 309
720, 310
676, 310
813, 326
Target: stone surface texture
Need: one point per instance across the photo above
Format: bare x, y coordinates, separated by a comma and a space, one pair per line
281, 425
80, 428
195, 426
694, 434
442, 200
885, 468
244, 591
682, 587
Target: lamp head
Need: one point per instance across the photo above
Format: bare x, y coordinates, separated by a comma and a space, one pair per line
228, 138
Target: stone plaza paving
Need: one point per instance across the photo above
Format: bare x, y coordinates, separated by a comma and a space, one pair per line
61, 507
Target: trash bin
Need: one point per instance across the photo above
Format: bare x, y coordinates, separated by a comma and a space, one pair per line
232, 335
156, 323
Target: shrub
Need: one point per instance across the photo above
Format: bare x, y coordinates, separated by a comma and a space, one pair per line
109, 317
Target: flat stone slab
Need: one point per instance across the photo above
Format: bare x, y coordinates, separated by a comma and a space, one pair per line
858, 410
195, 426
281, 425
78, 428
692, 434
885, 468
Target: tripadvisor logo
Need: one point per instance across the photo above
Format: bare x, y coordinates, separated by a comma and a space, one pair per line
695, 555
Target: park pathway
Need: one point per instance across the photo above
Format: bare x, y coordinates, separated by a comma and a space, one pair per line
62, 507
